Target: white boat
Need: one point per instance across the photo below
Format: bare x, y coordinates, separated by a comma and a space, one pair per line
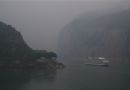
101, 58
97, 61
105, 65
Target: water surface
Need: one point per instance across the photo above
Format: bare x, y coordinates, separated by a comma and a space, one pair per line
76, 76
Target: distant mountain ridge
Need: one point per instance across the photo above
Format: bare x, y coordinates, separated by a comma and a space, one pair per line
107, 36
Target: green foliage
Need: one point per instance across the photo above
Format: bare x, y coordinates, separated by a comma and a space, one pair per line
13, 47
50, 55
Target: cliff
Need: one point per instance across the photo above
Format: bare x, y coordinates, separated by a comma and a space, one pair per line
105, 35
12, 45
15, 53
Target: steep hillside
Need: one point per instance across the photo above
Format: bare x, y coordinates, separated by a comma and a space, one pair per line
106, 36
15, 53
12, 45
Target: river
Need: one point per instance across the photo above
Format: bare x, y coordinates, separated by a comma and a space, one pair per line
75, 76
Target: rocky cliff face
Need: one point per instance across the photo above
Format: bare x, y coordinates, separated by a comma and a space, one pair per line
12, 45
106, 36
15, 53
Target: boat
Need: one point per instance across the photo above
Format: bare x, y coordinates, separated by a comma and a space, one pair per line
97, 61
105, 65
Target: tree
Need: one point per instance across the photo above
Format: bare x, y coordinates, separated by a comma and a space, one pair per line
51, 55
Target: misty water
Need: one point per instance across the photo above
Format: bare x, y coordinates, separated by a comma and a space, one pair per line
76, 76
86, 26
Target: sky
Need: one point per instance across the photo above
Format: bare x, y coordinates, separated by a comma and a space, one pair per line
65, 0
41, 21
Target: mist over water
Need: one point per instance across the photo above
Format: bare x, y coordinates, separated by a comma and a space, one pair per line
49, 26
40, 22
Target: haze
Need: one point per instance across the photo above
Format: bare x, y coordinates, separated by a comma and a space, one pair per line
40, 22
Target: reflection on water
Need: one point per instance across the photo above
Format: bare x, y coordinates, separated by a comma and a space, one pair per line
13, 79
76, 76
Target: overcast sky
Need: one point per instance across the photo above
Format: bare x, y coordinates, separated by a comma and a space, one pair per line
65, 0
40, 22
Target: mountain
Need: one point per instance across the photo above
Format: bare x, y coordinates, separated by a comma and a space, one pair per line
15, 53
97, 35
12, 45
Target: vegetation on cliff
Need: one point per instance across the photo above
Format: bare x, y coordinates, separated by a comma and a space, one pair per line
14, 52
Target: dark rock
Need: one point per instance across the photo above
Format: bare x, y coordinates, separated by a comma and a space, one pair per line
15, 53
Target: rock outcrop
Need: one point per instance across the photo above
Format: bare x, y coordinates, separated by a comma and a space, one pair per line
12, 45
106, 36
15, 53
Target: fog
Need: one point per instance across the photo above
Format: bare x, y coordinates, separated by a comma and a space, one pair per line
40, 22
90, 37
